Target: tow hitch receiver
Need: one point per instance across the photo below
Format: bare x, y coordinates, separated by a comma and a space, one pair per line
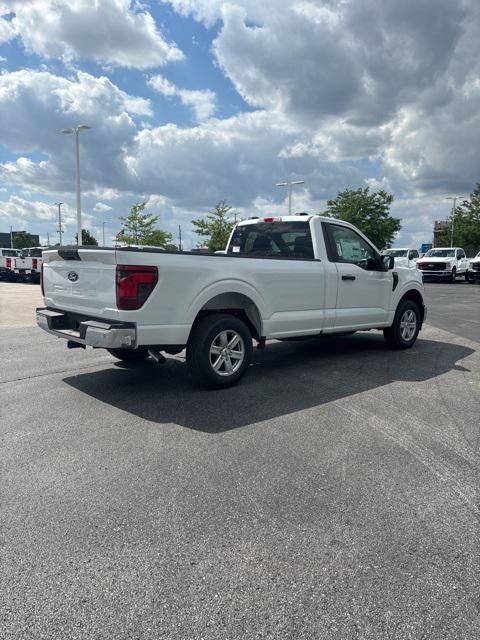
71, 344
157, 355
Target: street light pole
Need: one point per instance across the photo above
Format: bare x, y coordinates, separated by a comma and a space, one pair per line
60, 230
103, 233
76, 131
290, 186
454, 213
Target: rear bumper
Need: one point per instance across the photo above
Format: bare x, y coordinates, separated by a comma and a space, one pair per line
90, 333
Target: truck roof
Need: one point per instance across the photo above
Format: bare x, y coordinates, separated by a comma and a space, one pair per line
299, 217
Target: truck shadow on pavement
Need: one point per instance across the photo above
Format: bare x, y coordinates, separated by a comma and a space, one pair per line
283, 379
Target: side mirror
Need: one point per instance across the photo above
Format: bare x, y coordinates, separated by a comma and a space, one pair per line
387, 262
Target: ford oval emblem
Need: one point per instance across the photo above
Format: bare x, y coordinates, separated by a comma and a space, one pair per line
72, 276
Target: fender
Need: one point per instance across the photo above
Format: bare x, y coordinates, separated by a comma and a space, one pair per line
229, 285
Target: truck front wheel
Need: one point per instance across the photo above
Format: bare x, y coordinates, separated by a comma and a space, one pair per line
406, 325
219, 350
130, 356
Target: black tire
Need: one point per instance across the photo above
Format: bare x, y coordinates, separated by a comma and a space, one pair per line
395, 335
467, 277
208, 346
130, 356
453, 275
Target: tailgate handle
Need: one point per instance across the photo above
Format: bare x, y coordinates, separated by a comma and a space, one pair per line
348, 277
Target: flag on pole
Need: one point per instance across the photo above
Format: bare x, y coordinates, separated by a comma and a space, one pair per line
121, 233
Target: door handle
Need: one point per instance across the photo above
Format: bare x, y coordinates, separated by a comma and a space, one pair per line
348, 278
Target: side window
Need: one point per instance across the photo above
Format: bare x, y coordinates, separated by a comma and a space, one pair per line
347, 246
410, 255
415, 254
461, 253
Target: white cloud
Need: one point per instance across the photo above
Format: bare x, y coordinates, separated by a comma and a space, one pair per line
201, 102
7, 32
38, 105
102, 207
115, 32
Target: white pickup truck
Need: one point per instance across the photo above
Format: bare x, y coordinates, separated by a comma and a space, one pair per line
29, 263
446, 263
279, 278
474, 269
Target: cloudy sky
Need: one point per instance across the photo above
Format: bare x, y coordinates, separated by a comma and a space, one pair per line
193, 101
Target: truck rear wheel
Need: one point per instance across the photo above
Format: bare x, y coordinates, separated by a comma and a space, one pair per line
219, 350
406, 325
131, 356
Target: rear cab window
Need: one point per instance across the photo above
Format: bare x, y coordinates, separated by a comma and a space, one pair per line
273, 240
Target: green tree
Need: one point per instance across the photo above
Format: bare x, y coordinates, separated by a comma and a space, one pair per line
216, 227
23, 240
157, 238
138, 225
87, 238
466, 225
370, 212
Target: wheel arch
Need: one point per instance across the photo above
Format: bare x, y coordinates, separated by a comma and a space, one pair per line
416, 296
234, 303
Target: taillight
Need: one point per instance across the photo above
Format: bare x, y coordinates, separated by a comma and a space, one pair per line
134, 284
9, 263
41, 280
34, 263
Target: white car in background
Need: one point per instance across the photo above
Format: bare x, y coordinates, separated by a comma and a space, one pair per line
406, 257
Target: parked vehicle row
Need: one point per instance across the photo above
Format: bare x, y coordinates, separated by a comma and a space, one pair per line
279, 278
21, 264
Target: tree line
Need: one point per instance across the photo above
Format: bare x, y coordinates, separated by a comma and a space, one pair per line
367, 210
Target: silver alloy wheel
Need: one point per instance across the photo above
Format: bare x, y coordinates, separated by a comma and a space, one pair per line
227, 352
408, 325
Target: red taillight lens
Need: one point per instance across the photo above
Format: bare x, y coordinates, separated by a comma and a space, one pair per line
134, 284
41, 280
9, 263
34, 263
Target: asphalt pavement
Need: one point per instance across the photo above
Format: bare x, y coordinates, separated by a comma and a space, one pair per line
332, 494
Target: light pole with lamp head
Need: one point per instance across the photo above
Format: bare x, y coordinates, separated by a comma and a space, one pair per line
454, 213
76, 131
60, 230
289, 185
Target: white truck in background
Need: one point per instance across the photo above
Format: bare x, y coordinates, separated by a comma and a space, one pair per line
446, 263
29, 263
7, 263
474, 269
280, 278
404, 257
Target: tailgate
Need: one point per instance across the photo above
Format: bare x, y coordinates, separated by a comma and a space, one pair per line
81, 280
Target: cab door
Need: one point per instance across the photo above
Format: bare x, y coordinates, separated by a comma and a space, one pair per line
364, 289
462, 261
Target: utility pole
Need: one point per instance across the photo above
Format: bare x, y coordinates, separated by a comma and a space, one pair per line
179, 238
454, 213
11, 238
59, 230
290, 186
76, 131
103, 233
48, 239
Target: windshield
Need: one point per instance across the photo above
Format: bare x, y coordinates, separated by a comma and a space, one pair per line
440, 253
396, 253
